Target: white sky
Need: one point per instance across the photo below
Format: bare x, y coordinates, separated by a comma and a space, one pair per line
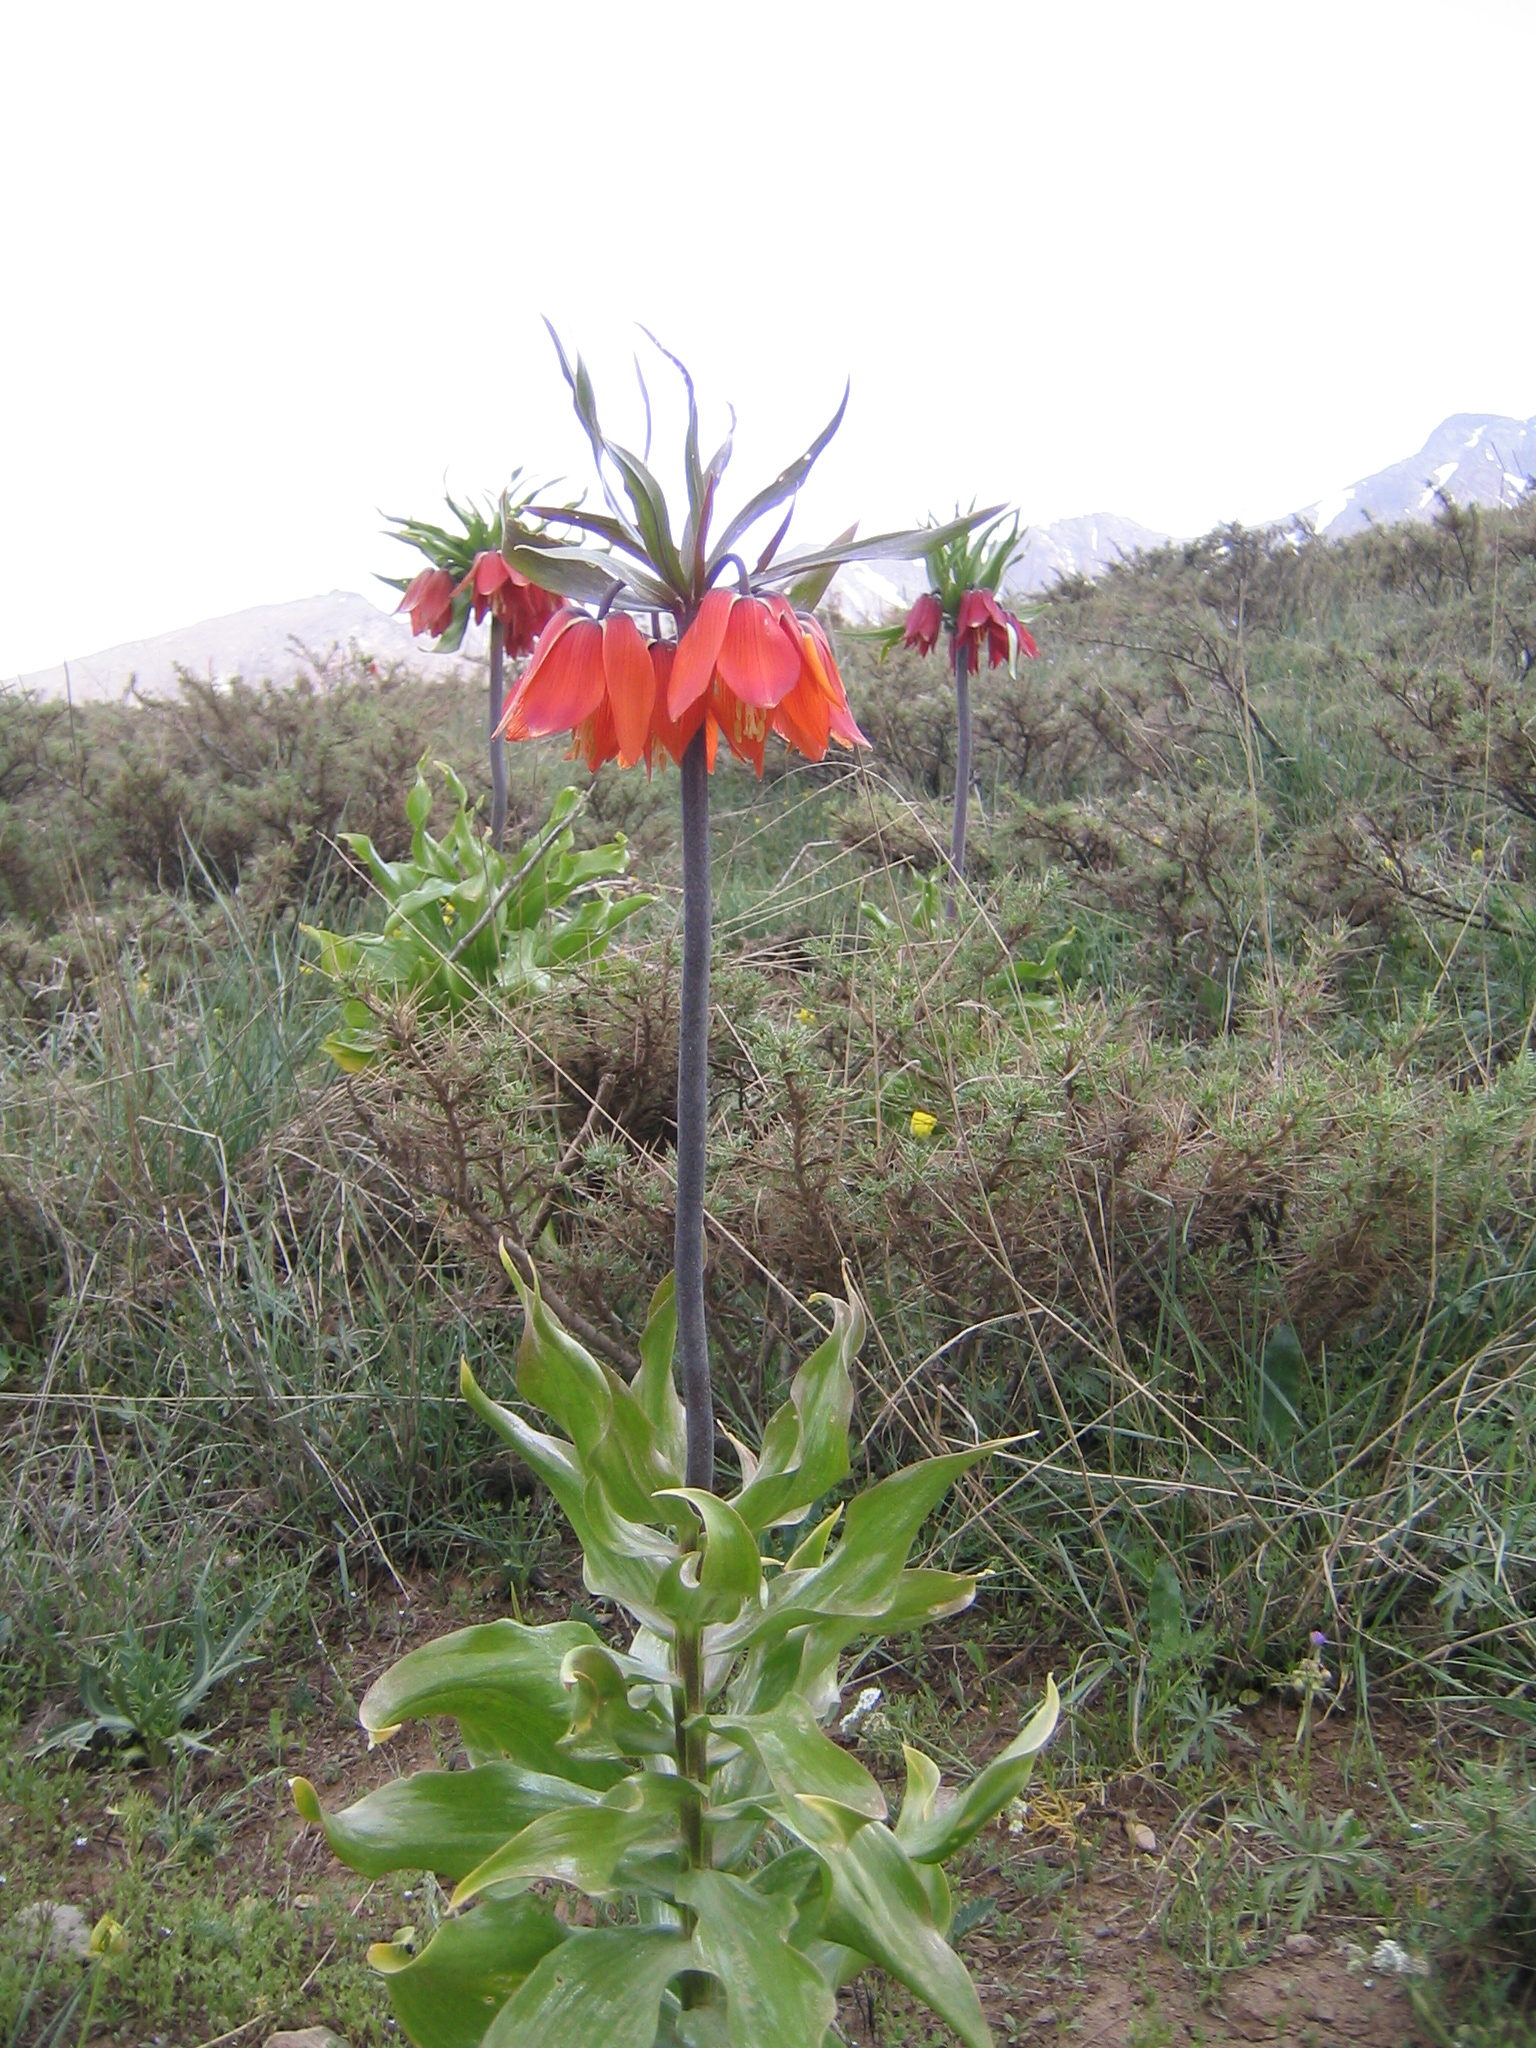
270, 269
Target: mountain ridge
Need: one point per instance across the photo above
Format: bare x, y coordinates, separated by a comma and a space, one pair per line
1471, 458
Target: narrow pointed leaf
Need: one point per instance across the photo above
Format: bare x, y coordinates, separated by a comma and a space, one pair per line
910, 545
878, 1906
805, 1446
784, 485
654, 1387
937, 1836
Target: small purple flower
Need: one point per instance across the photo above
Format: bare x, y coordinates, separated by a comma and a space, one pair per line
1319, 1640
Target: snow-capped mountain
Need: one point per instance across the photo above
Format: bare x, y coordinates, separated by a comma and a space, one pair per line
1474, 458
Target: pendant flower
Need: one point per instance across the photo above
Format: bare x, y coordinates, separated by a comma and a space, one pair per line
924, 622
982, 622
429, 600
593, 679
745, 668
759, 667
494, 586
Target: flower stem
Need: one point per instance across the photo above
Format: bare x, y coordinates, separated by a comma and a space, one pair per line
498, 745
962, 765
692, 1115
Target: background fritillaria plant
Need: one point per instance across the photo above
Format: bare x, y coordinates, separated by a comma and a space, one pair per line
965, 570
467, 575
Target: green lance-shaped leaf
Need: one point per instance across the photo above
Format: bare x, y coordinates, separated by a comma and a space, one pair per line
448, 1994
801, 1759
443, 1821
611, 1570
879, 1907
805, 1445
864, 1574
601, 1989
501, 1682
653, 1385
612, 1435
603, 1722
932, 1836
731, 1567
589, 1846
774, 1996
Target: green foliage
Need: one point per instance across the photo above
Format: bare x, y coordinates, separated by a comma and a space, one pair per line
1480, 1844
147, 1689
1311, 1854
740, 1862
463, 919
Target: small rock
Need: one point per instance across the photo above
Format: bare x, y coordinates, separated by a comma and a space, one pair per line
1301, 1945
306, 2037
1140, 1836
69, 1932
1045, 2017
1103, 1933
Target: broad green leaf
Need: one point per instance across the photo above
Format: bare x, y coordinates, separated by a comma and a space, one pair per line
801, 1759
447, 1996
442, 1821
501, 1682
936, 1835
731, 1564
601, 1989
805, 1446
878, 1906
586, 1846
603, 1722
773, 1995
653, 1385
577, 573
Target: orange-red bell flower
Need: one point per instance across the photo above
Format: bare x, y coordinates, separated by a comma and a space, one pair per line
522, 607
429, 600
924, 622
760, 669
586, 671
620, 699
982, 622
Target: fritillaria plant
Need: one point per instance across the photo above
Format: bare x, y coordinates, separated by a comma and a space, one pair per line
964, 573
729, 647
467, 575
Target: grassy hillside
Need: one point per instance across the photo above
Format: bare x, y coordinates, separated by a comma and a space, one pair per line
1225, 1215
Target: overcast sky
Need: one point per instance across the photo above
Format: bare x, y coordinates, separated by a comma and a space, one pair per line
269, 270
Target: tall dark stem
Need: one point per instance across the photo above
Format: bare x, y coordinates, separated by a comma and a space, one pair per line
498, 745
692, 1114
962, 764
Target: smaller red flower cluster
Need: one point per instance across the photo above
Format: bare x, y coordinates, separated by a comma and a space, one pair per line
980, 622
746, 666
494, 586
